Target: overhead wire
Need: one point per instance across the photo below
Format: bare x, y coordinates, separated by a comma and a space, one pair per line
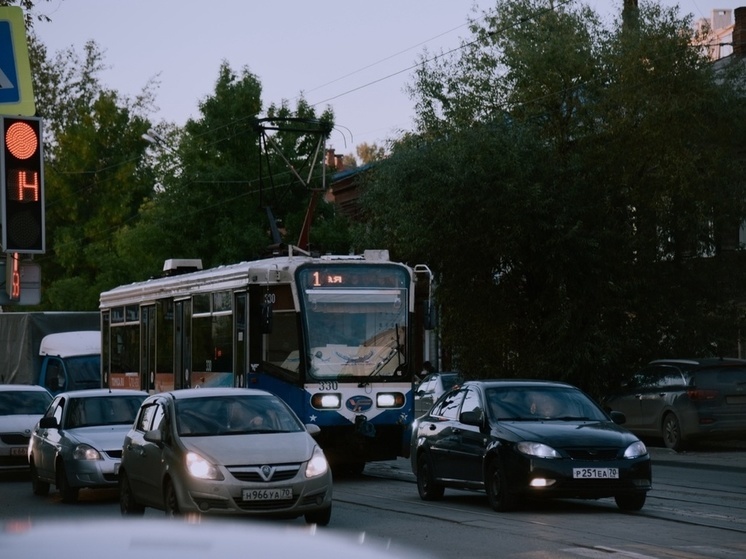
249, 182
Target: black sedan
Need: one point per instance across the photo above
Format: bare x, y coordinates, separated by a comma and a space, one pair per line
519, 439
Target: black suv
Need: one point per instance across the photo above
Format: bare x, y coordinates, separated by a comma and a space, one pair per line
681, 400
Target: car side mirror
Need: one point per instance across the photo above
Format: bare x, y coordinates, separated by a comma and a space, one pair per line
618, 417
475, 418
313, 429
154, 436
49, 422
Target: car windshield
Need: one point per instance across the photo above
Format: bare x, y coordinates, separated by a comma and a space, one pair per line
19, 402
234, 415
103, 410
532, 403
449, 381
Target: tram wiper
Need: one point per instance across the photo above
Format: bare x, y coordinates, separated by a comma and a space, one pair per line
383, 363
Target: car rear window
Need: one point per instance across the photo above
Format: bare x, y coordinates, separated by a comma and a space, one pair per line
23, 403
721, 377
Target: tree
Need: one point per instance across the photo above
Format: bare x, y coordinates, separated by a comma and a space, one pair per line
369, 153
216, 181
96, 178
556, 185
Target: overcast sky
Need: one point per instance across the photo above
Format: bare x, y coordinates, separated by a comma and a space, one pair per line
355, 56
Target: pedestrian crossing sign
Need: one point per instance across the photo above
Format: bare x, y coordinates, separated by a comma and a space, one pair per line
16, 93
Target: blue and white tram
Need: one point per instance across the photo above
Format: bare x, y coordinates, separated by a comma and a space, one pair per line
331, 335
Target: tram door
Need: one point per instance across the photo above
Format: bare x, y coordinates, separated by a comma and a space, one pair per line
182, 343
240, 339
147, 345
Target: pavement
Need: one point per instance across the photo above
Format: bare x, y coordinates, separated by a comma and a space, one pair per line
729, 456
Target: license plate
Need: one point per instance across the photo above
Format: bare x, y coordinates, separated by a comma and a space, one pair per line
595, 473
18, 451
116, 468
276, 494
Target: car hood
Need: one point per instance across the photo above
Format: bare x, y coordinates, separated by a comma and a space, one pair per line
258, 448
102, 437
18, 423
561, 434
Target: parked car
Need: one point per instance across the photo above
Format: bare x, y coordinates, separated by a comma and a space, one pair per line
78, 441
224, 451
519, 439
21, 406
683, 400
431, 388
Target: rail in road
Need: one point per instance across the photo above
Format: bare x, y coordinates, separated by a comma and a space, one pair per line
696, 510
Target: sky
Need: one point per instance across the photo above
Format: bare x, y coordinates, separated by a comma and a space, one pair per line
356, 57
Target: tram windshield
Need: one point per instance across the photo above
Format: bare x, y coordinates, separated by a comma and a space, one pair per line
358, 329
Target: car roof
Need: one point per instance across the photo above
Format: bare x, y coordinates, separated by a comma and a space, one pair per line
204, 392
698, 363
517, 383
98, 392
22, 388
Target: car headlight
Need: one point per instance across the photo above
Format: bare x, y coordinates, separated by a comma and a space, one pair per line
539, 450
201, 468
86, 452
317, 465
635, 450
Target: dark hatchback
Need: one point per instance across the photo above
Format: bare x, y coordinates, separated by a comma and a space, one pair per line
524, 439
685, 400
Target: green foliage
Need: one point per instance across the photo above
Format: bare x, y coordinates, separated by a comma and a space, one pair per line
95, 176
564, 182
117, 206
217, 179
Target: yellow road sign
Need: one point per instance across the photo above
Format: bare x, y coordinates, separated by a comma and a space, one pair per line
16, 91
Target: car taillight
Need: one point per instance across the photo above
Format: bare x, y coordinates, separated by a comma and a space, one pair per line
698, 394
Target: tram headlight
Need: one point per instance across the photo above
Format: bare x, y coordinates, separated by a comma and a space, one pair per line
389, 399
327, 401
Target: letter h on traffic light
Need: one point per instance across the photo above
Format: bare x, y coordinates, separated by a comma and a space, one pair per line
22, 185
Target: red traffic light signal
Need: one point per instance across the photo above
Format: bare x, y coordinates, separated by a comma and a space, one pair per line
22, 185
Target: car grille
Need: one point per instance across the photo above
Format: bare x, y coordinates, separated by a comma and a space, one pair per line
15, 439
116, 454
265, 505
592, 453
280, 472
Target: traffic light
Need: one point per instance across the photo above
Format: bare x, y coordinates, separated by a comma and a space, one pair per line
22, 185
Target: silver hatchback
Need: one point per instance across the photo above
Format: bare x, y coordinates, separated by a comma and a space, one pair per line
224, 451
78, 442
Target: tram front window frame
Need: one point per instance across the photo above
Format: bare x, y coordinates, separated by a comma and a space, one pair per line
356, 321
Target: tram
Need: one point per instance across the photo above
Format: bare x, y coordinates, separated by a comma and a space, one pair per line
331, 335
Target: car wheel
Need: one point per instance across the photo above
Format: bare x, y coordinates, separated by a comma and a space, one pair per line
69, 493
319, 517
630, 501
429, 489
496, 485
38, 486
170, 501
672, 432
127, 504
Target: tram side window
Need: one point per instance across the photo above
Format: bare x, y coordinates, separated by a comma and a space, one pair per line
282, 343
213, 341
125, 348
